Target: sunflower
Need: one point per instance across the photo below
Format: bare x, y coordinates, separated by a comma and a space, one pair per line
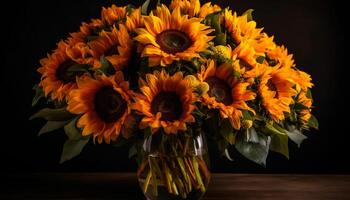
113, 14
134, 20
116, 46
166, 102
193, 8
239, 27
305, 114
55, 79
208, 9
276, 89
86, 30
302, 79
77, 48
170, 36
279, 57
263, 43
246, 57
104, 104
226, 93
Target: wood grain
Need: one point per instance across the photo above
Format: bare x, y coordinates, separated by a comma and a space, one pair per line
74, 186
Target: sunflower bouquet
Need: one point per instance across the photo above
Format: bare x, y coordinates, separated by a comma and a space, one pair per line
161, 79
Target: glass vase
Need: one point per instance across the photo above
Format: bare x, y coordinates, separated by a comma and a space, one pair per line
174, 167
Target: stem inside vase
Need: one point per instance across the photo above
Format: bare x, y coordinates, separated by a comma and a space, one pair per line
176, 169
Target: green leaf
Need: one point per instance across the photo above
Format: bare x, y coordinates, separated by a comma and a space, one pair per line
249, 14
279, 144
39, 93
196, 63
246, 115
72, 148
144, 7
129, 9
59, 114
309, 94
216, 24
72, 131
260, 59
106, 67
220, 39
51, 126
227, 132
313, 122
132, 151
270, 129
295, 135
293, 117
253, 145
299, 106
213, 20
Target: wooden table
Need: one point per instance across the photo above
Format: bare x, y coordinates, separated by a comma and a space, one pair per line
77, 186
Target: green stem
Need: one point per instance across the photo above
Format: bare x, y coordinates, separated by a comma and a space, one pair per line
167, 177
187, 180
198, 174
157, 168
186, 145
147, 180
154, 178
180, 186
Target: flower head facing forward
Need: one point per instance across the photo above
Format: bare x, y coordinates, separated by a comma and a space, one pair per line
165, 102
104, 104
170, 36
226, 93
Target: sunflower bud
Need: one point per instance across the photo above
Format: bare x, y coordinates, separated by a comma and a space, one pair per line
198, 87
247, 124
192, 80
223, 50
202, 88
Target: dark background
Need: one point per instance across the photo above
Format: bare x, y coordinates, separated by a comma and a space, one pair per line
312, 30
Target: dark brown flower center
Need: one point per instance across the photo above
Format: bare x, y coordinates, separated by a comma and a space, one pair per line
272, 87
109, 104
62, 72
113, 50
169, 104
271, 62
245, 65
173, 41
220, 90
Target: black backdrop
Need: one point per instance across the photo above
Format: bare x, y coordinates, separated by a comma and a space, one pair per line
312, 30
